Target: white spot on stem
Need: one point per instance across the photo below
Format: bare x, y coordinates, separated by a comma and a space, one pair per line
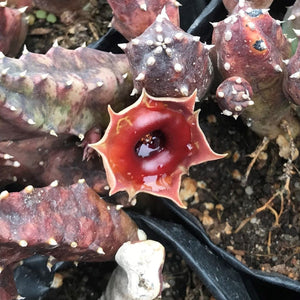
23, 243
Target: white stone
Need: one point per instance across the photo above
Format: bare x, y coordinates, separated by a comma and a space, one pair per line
138, 276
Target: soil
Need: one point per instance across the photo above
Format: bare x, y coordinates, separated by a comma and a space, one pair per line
215, 192
224, 200
71, 30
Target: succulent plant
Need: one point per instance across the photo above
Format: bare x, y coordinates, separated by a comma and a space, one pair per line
59, 6
53, 6
149, 145
292, 76
234, 96
231, 4
19, 3
250, 44
133, 17
42, 160
168, 62
69, 223
63, 91
13, 30
291, 22
53, 111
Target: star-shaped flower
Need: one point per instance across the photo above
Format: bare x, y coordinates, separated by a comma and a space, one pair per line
149, 145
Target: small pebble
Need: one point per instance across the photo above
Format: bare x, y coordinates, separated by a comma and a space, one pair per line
228, 228
253, 221
207, 220
211, 119
201, 185
188, 188
263, 155
209, 205
236, 175
249, 190
220, 207
30, 19
235, 157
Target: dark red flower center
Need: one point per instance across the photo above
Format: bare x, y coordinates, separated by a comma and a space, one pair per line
150, 144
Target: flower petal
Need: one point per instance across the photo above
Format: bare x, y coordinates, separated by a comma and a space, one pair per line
149, 145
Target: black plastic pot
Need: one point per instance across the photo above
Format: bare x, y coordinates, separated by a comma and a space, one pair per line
224, 276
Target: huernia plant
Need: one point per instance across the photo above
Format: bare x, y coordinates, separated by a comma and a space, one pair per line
149, 145
68, 223
54, 6
61, 94
168, 62
63, 91
13, 29
49, 109
19, 3
292, 76
231, 4
59, 6
55, 107
291, 22
41, 160
250, 45
133, 17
